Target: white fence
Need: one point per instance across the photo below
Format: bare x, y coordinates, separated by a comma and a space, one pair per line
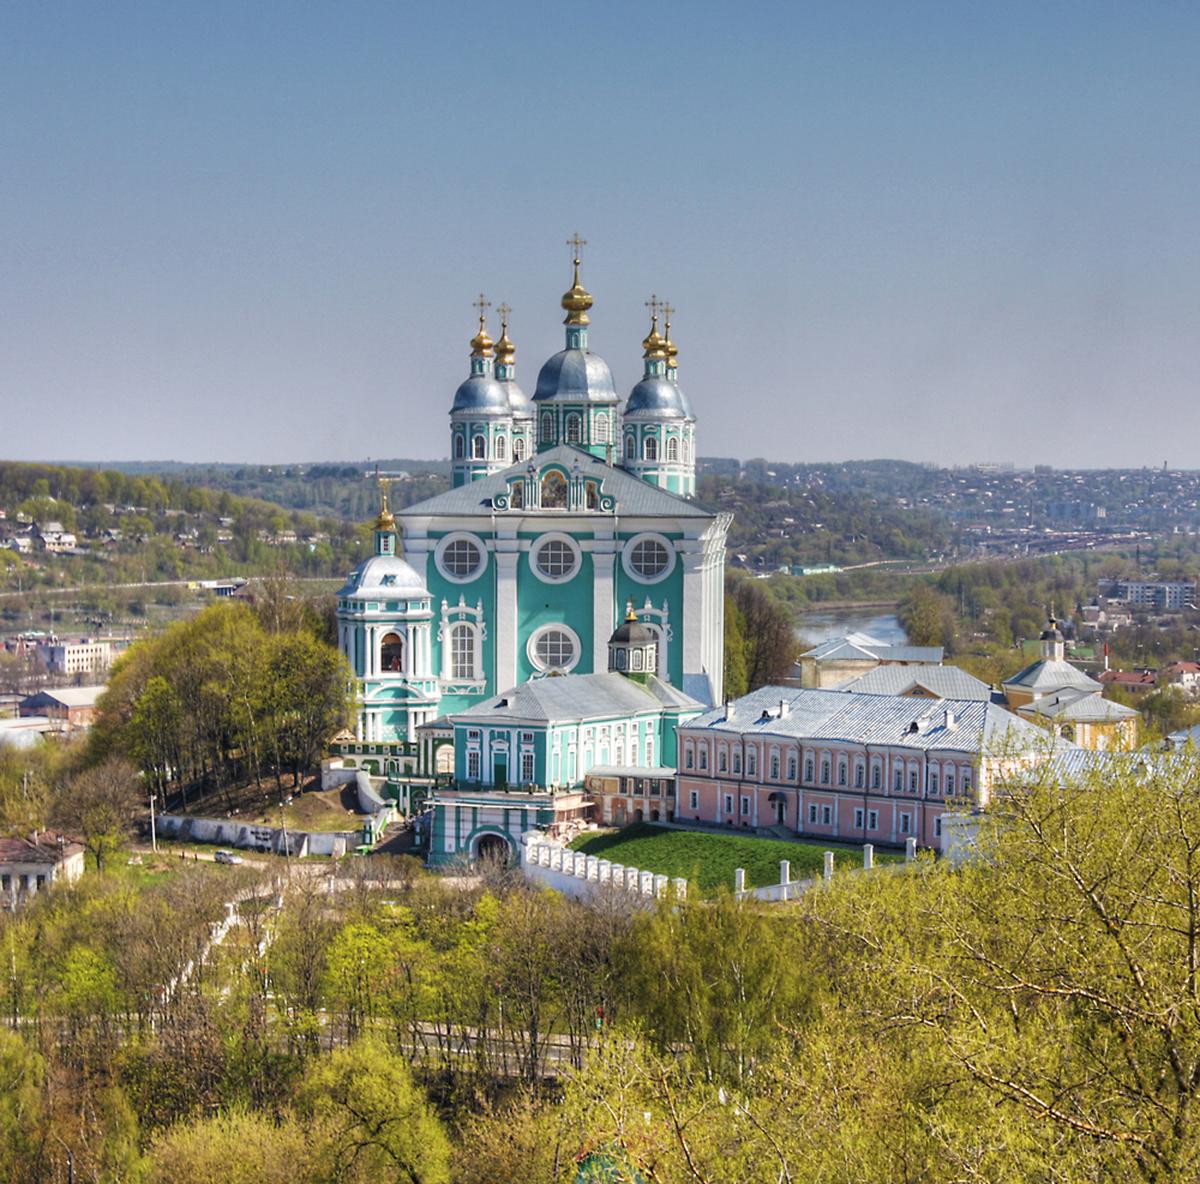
789, 889
576, 874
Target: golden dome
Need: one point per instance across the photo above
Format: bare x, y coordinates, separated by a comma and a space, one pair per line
505, 350
386, 519
481, 343
670, 349
653, 343
576, 300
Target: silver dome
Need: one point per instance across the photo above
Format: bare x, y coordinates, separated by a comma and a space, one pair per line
481, 395
658, 397
575, 376
518, 401
381, 577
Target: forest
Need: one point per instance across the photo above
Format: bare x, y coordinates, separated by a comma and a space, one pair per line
167, 1021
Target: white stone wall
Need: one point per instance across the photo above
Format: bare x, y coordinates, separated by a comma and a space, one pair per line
575, 874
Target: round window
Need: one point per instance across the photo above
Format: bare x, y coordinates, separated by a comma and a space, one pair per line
556, 560
554, 649
648, 558
460, 558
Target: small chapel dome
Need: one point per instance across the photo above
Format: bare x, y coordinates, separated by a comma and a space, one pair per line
383, 576
481, 394
633, 647
658, 397
632, 632
1051, 632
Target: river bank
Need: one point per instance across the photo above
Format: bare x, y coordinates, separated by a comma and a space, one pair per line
817, 625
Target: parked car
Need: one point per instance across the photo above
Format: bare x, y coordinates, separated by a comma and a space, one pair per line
226, 857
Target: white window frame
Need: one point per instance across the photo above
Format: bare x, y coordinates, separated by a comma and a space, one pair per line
647, 536
444, 544
555, 536
555, 627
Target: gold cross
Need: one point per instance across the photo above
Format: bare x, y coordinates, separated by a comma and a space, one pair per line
483, 304
575, 242
668, 311
654, 304
504, 310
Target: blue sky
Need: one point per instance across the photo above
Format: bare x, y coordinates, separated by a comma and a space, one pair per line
945, 232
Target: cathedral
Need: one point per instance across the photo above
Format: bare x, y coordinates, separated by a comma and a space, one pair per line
569, 511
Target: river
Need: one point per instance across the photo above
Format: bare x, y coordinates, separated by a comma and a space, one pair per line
821, 624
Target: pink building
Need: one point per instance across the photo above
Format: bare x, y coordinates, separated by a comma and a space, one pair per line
838, 764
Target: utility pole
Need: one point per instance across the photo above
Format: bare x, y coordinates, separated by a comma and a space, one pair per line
153, 833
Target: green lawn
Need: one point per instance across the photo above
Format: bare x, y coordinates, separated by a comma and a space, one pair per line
707, 860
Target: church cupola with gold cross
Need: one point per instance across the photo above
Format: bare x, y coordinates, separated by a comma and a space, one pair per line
658, 427
575, 398
481, 416
523, 442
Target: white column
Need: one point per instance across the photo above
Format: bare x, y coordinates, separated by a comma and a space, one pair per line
602, 602
504, 628
693, 625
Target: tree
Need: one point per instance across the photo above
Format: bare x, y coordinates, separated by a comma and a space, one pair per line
22, 1117
736, 684
101, 803
234, 1148
771, 644
379, 1124
928, 617
1051, 987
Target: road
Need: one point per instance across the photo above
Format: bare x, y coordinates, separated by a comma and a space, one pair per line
41, 590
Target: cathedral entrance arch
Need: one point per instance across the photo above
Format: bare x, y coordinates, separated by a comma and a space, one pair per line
492, 847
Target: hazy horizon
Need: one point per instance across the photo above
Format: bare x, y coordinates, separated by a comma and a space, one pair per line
941, 233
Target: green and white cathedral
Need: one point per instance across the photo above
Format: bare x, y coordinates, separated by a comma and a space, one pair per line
564, 509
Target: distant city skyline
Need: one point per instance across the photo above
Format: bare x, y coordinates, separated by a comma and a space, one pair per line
932, 232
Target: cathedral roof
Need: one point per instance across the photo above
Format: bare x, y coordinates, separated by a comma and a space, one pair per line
569, 697
633, 495
382, 577
575, 376
481, 394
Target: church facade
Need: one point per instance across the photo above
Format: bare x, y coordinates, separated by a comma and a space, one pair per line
565, 508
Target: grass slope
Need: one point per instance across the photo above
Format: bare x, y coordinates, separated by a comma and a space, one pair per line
708, 860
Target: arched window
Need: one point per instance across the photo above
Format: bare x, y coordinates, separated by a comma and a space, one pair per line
630, 448
574, 428
601, 436
462, 651
687, 452
501, 447
672, 449
650, 448
547, 428
459, 447
554, 491
391, 654
478, 448
519, 448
